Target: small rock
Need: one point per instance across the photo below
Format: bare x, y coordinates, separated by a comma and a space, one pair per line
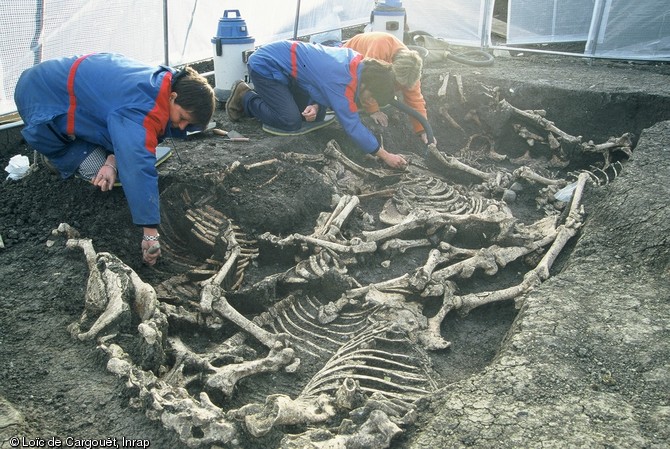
516, 187
509, 196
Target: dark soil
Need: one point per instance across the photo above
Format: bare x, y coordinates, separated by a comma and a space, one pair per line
56, 386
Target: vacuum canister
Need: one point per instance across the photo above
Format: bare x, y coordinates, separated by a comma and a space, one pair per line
389, 17
232, 47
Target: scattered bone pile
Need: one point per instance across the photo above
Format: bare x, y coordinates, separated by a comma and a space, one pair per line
350, 367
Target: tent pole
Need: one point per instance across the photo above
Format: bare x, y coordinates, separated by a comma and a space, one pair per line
485, 37
166, 46
36, 45
596, 26
297, 20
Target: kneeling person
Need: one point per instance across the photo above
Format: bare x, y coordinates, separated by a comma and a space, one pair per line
102, 115
295, 82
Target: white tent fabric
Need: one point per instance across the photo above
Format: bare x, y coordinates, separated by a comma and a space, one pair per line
181, 31
461, 22
45, 29
617, 29
630, 30
532, 21
36, 30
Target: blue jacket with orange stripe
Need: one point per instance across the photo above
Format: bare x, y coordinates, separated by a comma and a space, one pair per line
329, 74
110, 101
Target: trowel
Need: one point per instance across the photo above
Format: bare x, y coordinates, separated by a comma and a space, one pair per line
209, 126
232, 136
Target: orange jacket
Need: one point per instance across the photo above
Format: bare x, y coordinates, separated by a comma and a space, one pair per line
383, 46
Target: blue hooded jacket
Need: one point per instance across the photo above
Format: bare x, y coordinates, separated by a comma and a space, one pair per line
103, 100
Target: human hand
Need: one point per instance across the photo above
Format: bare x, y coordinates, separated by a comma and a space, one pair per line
105, 178
392, 160
380, 118
310, 112
151, 251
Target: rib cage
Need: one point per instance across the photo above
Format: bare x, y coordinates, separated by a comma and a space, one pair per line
381, 357
203, 233
602, 176
424, 192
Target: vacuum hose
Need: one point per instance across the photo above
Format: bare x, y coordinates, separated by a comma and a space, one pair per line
420, 118
477, 58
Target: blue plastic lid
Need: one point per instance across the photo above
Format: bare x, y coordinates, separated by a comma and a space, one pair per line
389, 8
392, 3
232, 28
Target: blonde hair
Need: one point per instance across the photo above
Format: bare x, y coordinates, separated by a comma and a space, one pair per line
407, 65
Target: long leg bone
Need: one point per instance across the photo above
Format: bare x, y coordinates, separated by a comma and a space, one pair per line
334, 225
529, 174
355, 246
323, 224
566, 231
442, 91
428, 219
213, 299
431, 338
403, 245
333, 151
221, 306
95, 292
489, 259
459, 85
453, 163
623, 143
444, 112
540, 121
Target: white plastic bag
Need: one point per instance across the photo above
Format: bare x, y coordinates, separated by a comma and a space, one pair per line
566, 192
18, 167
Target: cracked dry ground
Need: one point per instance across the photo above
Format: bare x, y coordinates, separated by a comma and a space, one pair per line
578, 359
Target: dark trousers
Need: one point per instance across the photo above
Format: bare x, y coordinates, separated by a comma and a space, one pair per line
277, 104
64, 152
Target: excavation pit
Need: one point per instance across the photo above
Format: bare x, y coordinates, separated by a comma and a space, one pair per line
271, 196
309, 270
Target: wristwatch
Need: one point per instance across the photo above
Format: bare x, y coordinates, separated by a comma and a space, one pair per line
151, 238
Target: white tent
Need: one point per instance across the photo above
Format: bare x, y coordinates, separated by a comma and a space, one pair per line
176, 32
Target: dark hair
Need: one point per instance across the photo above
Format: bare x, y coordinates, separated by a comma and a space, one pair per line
378, 78
195, 95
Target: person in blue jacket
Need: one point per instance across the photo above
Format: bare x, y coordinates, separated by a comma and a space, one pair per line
295, 82
102, 115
